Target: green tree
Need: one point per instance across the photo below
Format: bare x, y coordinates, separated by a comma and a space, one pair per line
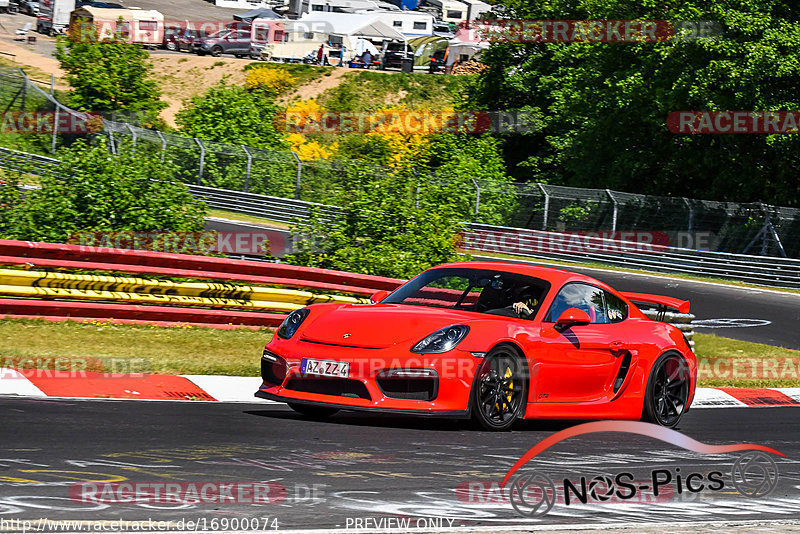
380, 232
108, 76
231, 114
93, 191
603, 106
10, 200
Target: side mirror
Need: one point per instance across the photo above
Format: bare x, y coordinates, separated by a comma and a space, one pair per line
379, 295
572, 317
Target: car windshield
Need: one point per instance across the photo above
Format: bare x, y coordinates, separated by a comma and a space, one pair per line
479, 290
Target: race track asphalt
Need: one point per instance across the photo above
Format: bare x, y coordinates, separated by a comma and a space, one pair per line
772, 316
356, 467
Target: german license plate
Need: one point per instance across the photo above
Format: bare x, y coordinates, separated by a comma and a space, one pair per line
325, 368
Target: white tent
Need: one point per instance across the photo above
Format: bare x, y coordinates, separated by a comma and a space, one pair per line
461, 51
350, 27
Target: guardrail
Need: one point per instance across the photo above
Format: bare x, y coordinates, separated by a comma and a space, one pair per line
277, 209
757, 270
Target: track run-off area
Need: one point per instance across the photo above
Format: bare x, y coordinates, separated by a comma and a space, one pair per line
355, 468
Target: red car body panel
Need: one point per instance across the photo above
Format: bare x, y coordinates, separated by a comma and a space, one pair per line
572, 373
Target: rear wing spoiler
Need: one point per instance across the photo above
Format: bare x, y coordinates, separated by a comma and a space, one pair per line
669, 302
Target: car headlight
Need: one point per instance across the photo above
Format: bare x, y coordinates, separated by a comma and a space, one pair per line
292, 322
442, 340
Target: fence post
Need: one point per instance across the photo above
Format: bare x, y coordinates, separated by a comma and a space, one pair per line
202, 161
249, 167
691, 215
133, 135
477, 195
52, 84
163, 145
299, 176
546, 205
616, 210
111, 146
55, 131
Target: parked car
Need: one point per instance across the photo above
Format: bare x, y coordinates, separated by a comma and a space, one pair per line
106, 5
393, 55
236, 42
29, 7
180, 40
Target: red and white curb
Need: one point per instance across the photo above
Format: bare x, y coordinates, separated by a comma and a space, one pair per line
216, 388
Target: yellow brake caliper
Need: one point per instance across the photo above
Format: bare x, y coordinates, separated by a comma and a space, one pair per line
508, 374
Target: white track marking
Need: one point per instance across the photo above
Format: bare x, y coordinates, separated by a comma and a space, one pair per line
714, 398
12, 382
229, 388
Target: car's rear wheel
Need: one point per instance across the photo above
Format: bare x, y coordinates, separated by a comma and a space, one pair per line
498, 397
667, 391
313, 412
171, 46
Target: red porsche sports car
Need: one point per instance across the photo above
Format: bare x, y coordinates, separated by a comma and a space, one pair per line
495, 341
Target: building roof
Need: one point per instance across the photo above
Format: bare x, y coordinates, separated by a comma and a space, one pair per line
113, 15
355, 25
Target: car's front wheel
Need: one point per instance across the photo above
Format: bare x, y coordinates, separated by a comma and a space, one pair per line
667, 391
216, 51
498, 397
312, 412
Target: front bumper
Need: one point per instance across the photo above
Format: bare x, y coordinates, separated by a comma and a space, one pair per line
433, 384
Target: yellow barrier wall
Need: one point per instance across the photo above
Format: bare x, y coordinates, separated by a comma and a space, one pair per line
210, 294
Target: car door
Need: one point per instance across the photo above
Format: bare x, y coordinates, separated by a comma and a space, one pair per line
581, 363
240, 42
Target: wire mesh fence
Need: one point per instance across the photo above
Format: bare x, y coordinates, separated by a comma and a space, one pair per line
751, 228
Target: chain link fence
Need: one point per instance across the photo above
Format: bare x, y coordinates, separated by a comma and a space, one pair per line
754, 228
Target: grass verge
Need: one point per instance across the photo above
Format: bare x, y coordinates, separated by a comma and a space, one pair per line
157, 350
241, 217
196, 350
724, 362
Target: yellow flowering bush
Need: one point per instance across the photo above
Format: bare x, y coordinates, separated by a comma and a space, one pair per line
273, 80
309, 150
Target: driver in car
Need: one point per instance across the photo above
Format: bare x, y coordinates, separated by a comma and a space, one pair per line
526, 304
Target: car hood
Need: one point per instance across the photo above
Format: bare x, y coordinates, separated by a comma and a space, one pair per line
379, 325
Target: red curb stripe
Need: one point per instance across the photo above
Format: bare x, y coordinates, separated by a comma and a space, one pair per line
760, 397
99, 385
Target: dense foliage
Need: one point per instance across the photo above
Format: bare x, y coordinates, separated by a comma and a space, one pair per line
383, 231
603, 107
93, 191
109, 76
232, 114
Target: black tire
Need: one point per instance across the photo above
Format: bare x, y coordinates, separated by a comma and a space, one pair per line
667, 391
500, 391
216, 51
171, 46
312, 412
